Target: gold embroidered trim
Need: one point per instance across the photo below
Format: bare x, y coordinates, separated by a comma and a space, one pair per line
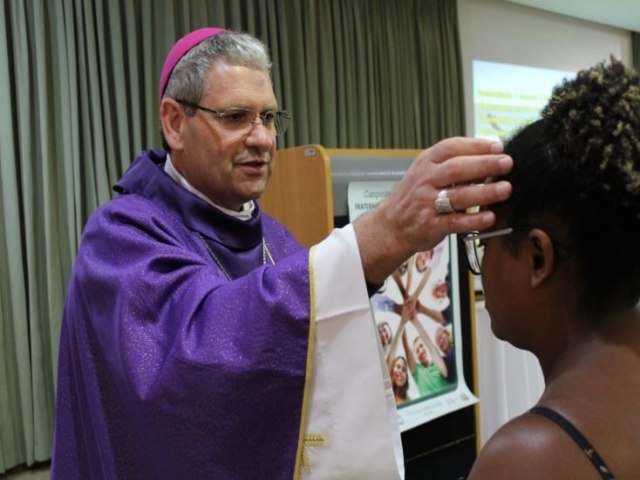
311, 440
307, 384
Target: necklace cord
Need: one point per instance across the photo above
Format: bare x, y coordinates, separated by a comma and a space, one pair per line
266, 255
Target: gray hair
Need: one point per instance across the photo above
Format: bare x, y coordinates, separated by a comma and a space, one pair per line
188, 79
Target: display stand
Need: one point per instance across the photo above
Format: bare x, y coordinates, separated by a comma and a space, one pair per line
308, 193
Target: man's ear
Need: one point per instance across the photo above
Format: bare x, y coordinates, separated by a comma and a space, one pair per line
541, 256
172, 118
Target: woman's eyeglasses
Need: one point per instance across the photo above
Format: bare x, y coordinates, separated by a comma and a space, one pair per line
474, 245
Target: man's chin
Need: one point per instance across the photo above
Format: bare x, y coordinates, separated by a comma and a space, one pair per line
254, 195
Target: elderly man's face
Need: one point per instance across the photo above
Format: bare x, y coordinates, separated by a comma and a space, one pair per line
229, 166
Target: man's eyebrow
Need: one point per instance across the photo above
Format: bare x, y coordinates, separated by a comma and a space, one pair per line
271, 108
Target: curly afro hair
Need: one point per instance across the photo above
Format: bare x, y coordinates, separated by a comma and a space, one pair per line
576, 174
595, 121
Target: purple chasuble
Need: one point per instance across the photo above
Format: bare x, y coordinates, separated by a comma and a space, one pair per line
167, 369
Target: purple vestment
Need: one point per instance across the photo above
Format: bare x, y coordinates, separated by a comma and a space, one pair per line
167, 369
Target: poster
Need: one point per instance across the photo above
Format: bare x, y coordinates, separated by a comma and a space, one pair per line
417, 311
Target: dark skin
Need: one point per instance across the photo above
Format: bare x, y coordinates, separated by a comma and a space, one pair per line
590, 366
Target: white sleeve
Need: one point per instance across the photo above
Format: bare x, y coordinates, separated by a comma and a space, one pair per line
351, 429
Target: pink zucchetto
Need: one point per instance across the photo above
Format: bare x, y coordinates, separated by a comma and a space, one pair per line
181, 48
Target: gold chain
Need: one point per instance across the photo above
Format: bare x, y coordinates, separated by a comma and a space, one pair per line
266, 254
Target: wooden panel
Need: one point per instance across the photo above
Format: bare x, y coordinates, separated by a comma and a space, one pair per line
374, 152
300, 193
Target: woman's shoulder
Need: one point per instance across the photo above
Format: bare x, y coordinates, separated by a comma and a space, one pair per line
531, 447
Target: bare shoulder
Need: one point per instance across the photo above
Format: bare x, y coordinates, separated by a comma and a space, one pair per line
531, 447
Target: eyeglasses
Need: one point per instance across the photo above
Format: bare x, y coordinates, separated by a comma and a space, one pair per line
474, 245
241, 119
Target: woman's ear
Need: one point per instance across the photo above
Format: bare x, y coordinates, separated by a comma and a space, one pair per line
541, 256
172, 117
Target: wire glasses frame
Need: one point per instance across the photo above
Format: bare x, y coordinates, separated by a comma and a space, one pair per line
241, 119
475, 248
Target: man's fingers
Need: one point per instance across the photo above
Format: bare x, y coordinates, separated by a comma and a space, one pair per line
469, 196
466, 197
462, 146
466, 169
466, 222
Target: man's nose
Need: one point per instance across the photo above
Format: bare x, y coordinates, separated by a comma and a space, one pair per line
260, 136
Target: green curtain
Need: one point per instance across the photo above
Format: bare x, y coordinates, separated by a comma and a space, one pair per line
78, 89
367, 73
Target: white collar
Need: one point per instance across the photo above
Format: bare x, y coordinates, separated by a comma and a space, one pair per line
245, 212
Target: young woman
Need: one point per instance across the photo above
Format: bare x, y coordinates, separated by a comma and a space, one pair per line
399, 379
561, 273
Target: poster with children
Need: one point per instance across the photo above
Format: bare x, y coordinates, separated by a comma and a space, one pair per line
417, 312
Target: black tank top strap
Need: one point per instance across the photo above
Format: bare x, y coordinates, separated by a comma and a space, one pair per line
578, 437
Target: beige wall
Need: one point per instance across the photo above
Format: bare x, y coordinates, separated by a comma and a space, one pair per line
499, 31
